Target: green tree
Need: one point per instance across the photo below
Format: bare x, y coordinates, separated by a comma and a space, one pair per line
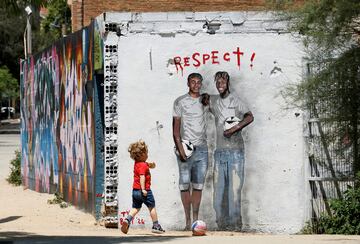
330, 30
12, 28
331, 33
16, 7
9, 87
13, 24
11, 40
58, 20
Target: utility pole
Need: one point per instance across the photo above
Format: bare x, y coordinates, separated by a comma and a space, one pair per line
8, 108
27, 34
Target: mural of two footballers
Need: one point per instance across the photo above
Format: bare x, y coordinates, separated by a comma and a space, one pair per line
189, 125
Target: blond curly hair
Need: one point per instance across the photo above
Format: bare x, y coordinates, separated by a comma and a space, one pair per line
136, 149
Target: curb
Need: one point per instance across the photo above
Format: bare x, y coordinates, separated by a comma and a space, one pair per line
9, 131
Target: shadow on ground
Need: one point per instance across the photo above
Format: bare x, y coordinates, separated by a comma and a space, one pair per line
8, 219
26, 237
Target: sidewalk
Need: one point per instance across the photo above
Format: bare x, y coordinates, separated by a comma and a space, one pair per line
10, 126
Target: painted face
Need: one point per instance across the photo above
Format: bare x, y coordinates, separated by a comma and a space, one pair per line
194, 85
221, 85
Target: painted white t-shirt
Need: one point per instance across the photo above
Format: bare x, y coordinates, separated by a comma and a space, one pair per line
223, 108
192, 114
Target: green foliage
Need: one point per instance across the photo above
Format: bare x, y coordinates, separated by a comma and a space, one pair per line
13, 23
345, 218
9, 87
15, 166
308, 229
11, 40
58, 199
330, 30
334, 82
59, 15
328, 27
15, 7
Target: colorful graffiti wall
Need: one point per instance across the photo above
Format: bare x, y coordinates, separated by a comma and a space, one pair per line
57, 114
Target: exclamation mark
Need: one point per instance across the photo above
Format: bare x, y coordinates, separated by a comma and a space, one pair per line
251, 60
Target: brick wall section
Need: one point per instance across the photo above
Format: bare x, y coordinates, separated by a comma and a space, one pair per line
76, 15
93, 8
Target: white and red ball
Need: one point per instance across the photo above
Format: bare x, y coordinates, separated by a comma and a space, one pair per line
198, 228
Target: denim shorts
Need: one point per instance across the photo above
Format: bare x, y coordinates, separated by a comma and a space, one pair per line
138, 199
193, 171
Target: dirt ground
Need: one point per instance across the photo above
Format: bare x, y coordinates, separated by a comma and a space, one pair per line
26, 217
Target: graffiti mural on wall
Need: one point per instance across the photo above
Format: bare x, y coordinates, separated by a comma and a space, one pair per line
154, 54
189, 131
57, 131
189, 127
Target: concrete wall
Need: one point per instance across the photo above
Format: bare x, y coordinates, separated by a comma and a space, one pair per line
58, 120
149, 81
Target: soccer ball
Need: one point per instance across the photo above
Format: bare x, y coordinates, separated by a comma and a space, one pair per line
189, 148
230, 122
198, 228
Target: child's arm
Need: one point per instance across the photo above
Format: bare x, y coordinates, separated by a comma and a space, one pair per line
152, 165
142, 184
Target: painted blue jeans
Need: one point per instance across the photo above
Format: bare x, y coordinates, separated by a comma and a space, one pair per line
228, 182
193, 171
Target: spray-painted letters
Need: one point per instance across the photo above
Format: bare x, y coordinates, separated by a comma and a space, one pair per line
214, 57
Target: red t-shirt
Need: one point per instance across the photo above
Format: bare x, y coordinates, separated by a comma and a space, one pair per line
141, 168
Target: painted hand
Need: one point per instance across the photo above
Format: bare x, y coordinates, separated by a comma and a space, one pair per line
228, 133
205, 99
182, 158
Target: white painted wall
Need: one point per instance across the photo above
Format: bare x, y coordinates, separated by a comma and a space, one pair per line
273, 193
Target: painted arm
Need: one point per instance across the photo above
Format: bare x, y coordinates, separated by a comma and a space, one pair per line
177, 138
205, 99
142, 185
248, 119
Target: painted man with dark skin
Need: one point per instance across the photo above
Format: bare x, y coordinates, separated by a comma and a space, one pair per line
189, 124
229, 155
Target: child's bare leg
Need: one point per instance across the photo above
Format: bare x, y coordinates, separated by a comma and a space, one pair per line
134, 211
196, 199
186, 201
127, 221
156, 226
153, 214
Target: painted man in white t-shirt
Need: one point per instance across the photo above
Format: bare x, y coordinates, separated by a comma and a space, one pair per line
229, 154
189, 124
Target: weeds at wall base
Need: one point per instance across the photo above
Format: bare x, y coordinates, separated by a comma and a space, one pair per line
14, 177
344, 218
58, 199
